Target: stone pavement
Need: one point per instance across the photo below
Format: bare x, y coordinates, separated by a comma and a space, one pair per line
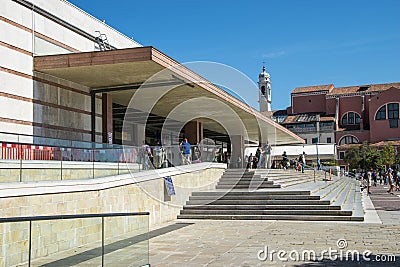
386, 205
240, 243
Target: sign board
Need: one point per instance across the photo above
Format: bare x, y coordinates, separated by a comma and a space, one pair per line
169, 185
110, 137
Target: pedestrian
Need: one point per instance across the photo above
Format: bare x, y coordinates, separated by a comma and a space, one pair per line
267, 156
398, 181
302, 161
239, 162
285, 159
186, 151
391, 181
249, 161
318, 164
369, 181
146, 155
157, 155
374, 177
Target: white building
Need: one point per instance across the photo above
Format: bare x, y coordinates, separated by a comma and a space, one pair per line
38, 104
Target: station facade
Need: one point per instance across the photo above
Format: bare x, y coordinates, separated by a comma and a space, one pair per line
65, 74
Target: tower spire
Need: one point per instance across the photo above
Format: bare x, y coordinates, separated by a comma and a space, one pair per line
264, 88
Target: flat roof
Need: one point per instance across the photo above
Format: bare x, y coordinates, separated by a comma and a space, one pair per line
133, 66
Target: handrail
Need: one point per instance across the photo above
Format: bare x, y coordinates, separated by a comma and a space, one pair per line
25, 152
71, 216
76, 216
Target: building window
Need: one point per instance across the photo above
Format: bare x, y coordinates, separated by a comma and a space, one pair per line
326, 124
348, 139
341, 154
394, 123
314, 140
305, 140
393, 110
381, 114
329, 140
351, 118
263, 90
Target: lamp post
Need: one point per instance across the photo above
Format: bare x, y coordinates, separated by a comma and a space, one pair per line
316, 146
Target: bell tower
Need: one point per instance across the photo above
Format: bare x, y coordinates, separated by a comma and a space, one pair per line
264, 91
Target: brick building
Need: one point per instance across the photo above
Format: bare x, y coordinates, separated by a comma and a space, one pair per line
343, 115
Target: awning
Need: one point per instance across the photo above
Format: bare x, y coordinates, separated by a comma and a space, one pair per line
121, 72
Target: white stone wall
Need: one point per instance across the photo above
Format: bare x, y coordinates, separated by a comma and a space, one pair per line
24, 33
147, 194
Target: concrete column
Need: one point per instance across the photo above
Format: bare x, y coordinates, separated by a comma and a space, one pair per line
138, 134
237, 150
107, 118
193, 131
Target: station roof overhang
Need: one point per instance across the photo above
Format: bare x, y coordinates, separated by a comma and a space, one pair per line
121, 72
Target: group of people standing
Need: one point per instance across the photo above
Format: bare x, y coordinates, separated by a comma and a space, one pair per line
261, 159
298, 165
390, 177
155, 156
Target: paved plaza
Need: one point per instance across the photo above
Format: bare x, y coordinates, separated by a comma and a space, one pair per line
242, 243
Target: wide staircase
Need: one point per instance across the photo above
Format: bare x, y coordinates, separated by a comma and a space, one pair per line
276, 195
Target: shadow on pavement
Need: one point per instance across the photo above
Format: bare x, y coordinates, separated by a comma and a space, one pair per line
96, 252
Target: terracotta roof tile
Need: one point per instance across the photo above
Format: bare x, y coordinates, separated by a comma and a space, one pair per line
363, 88
327, 118
385, 143
316, 88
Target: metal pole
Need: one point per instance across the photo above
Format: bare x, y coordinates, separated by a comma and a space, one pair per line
20, 161
30, 243
102, 241
61, 170
93, 114
93, 161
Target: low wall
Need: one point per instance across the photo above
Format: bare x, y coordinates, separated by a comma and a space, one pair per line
51, 170
143, 191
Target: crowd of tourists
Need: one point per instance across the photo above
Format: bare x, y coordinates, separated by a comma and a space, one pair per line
373, 178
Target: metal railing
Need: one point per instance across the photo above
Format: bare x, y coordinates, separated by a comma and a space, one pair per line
25, 158
109, 239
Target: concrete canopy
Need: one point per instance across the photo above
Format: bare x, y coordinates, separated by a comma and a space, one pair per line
125, 70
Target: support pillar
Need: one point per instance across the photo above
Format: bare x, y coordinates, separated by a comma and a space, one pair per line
193, 131
107, 118
237, 151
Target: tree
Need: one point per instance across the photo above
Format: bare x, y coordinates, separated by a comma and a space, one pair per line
364, 157
352, 157
373, 159
388, 154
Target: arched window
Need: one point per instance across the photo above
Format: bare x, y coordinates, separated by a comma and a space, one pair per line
348, 139
393, 111
381, 114
351, 118
389, 111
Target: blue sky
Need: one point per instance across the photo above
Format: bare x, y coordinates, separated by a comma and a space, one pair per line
306, 42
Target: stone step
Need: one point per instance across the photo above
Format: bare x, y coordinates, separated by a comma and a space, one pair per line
242, 186
234, 176
342, 195
350, 198
254, 182
269, 212
336, 190
244, 179
246, 192
238, 172
270, 217
258, 202
329, 186
256, 197
262, 207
